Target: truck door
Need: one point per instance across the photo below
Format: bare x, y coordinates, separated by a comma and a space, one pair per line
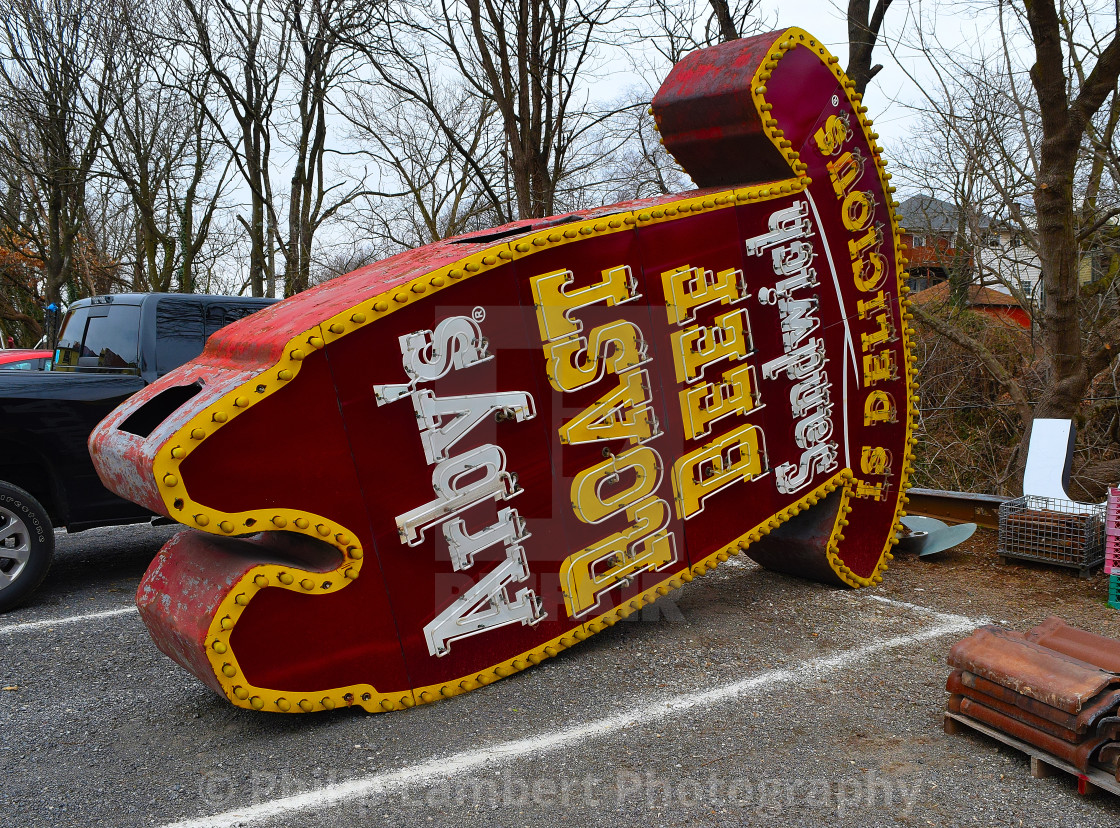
100, 342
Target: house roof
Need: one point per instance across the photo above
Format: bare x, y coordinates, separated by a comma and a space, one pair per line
925, 214
977, 296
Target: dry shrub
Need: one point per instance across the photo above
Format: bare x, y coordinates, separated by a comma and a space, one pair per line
969, 432
968, 429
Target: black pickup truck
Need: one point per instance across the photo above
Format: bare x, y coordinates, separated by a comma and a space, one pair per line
109, 347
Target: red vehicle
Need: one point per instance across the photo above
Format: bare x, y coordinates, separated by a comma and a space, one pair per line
24, 359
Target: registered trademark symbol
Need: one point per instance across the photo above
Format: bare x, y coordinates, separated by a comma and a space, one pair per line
479, 314
835, 100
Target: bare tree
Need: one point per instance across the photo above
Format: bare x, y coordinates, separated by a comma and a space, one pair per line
55, 87
162, 148
673, 28
864, 26
342, 261
638, 165
1065, 116
528, 60
435, 190
324, 38
278, 65
1041, 157
966, 153
245, 46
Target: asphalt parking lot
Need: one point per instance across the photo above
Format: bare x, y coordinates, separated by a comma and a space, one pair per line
749, 699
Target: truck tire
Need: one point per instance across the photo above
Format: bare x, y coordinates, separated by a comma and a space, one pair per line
26, 545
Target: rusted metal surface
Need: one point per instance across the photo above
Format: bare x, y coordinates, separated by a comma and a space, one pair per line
955, 686
1099, 650
1078, 755
958, 507
1050, 677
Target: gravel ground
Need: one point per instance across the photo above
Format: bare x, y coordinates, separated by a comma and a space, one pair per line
750, 699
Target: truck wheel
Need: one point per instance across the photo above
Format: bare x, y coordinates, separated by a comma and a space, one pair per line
26, 545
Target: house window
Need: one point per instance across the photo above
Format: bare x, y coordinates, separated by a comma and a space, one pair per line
919, 241
917, 282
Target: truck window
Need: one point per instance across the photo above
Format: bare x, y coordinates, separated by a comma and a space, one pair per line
180, 333
100, 339
112, 342
69, 346
218, 315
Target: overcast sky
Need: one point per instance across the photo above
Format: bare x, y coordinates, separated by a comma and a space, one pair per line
965, 25
889, 91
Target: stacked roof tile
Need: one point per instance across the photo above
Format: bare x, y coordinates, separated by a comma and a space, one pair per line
1055, 687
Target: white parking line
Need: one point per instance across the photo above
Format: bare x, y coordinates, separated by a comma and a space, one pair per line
8, 629
894, 602
448, 766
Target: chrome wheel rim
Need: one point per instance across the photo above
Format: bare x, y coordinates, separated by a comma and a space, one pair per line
15, 547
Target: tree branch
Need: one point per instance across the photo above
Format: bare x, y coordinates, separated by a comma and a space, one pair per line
986, 357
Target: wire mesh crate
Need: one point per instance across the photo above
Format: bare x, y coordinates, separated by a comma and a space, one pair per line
1053, 531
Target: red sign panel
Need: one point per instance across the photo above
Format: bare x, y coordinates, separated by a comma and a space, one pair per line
445, 467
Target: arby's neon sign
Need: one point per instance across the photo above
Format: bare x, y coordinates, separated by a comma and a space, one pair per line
445, 467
